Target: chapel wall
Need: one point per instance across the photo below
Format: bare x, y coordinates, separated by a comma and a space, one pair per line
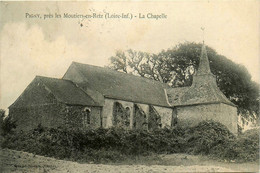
107, 113
29, 117
192, 115
53, 116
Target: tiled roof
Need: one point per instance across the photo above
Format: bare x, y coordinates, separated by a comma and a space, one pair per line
67, 92
201, 94
118, 85
174, 94
204, 62
204, 89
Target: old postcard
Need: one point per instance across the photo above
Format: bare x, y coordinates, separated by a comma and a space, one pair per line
127, 86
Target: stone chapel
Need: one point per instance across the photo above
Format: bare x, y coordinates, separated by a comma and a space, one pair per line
91, 97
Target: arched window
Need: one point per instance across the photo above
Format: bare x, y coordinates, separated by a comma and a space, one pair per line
121, 115
140, 121
86, 116
154, 119
118, 114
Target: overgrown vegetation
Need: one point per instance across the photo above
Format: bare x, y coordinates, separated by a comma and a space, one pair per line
6, 124
115, 144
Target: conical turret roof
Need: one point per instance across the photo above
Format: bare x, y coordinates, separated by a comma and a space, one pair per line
204, 89
204, 62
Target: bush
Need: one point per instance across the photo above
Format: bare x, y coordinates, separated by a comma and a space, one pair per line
7, 125
249, 144
244, 148
115, 144
202, 138
67, 143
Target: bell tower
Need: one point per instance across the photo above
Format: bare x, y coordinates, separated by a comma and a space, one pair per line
203, 100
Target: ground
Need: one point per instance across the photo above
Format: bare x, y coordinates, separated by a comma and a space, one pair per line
17, 161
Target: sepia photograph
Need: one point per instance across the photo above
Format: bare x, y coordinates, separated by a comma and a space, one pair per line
129, 86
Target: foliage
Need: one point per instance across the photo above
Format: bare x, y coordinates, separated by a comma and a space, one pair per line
115, 144
176, 66
7, 125
244, 148
2, 115
205, 136
2, 112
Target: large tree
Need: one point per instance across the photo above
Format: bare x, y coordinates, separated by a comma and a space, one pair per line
177, 65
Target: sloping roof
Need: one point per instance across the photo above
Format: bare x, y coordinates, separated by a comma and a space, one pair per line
118, 85
204, 94
174, 94
204, 89
204, 62
67, 92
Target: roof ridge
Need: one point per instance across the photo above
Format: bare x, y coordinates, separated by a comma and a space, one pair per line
50, 90
83, 91
48, 81
38, 76
122, 73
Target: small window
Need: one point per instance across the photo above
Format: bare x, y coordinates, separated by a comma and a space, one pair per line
86, 116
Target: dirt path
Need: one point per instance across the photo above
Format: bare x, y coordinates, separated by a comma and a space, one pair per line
16, 161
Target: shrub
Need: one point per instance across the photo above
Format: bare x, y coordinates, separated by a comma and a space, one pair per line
115, 144
244, 148
7, 125
67, 143
202, 138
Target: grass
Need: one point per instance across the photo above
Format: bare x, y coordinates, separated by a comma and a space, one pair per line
17, 161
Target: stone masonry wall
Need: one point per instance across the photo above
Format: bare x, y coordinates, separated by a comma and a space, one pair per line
30, 117
53, 115
192, 115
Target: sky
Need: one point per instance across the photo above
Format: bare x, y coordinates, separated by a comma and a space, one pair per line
31, 46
